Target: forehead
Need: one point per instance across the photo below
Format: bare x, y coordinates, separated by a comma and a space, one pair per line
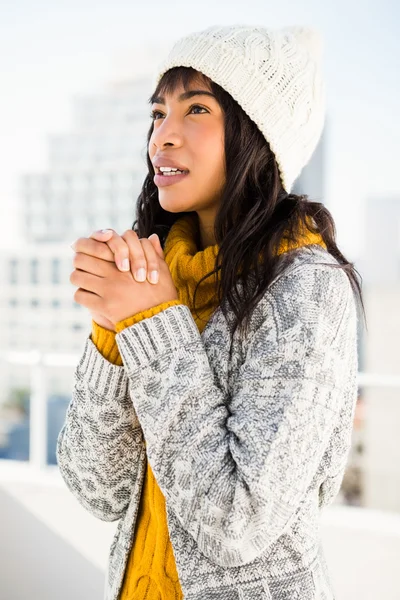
174, 84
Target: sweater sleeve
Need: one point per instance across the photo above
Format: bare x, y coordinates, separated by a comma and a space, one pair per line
236, 463
101, 448
104, 339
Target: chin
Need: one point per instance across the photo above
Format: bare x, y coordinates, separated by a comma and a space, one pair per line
175, 206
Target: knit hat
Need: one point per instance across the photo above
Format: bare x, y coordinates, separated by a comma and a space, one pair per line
273, 74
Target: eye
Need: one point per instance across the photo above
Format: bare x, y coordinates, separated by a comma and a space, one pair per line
197, 106
154, 113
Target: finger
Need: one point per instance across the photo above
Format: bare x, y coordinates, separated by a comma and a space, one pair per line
103, 232
91, 264
93, 248
152, 260
119, 248
102, 235
137, 255
155, 240
87, 281
91, 301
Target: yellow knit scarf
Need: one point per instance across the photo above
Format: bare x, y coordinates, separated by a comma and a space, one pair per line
188, 265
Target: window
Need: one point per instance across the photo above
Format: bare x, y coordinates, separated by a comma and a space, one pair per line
55, 270
13, 270
34, 271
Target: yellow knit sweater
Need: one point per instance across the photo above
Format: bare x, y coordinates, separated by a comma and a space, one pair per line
151, 572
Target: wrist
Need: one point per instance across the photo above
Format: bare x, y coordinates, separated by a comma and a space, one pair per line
145, 314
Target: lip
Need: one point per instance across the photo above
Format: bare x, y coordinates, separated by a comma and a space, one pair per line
166, 161
165, 180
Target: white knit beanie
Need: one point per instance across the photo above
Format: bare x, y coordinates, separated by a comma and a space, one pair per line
273, 74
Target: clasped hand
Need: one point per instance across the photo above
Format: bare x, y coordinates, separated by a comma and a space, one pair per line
113, 290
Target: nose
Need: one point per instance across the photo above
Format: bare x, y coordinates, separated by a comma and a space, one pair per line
167, 134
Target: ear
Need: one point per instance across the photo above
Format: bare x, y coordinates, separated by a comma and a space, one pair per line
155, 240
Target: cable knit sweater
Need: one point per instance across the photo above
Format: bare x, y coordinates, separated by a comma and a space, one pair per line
267, 433
151, 570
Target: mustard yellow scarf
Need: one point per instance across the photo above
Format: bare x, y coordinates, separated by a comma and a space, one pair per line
188, 264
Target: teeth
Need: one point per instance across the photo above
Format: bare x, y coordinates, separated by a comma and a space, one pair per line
170, 171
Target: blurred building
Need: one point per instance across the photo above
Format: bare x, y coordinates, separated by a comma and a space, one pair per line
94, 177
95, 171
380, 269
37, 308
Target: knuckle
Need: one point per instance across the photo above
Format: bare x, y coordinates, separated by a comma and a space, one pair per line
130, 240
139, 260
102, 250
135, 250
121, 246
130, 233
151, 255
153, 265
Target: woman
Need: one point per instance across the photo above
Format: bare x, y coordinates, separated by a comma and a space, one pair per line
213, 404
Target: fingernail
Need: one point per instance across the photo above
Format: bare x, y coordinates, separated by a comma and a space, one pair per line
140, 274
104, 230
125, 264
153, 276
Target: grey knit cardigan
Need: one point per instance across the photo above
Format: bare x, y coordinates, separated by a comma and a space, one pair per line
247, 446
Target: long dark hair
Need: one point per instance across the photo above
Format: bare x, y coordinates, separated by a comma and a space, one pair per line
255, 212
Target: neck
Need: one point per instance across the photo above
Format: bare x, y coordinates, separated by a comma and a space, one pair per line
206, 230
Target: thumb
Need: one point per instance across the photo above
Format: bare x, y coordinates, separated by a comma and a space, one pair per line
155, 240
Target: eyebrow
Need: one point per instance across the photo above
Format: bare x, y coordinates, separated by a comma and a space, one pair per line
182, 97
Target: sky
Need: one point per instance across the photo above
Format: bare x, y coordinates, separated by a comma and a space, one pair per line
51, 51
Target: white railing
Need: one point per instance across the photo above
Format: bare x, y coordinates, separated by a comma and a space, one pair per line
38, 361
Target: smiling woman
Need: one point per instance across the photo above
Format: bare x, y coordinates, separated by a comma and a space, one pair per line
190, 137
210, 414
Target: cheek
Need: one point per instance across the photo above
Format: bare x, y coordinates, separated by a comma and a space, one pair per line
212, 157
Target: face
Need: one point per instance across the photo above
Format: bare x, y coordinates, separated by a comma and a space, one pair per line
189, 132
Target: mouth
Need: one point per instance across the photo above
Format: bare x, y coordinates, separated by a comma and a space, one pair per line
171, 173
166, 178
